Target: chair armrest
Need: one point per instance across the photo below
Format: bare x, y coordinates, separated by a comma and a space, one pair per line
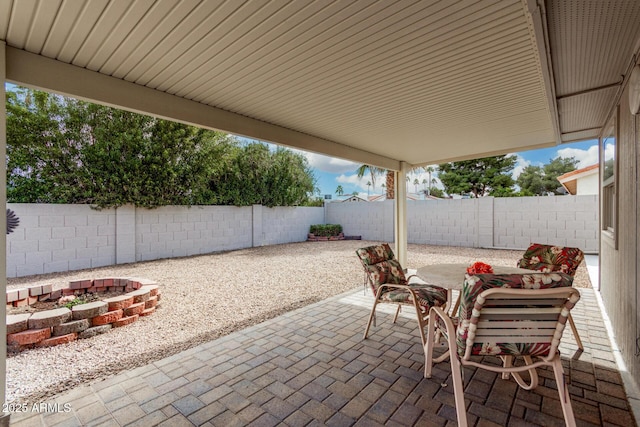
438, 311
393, 286
418, 280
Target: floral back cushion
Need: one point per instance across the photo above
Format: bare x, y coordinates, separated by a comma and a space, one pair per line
547, 258
476, 284
381, 266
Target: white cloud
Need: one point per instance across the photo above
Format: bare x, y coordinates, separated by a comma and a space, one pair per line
318, 161
521, 163
585, 157
330, 164
360, 183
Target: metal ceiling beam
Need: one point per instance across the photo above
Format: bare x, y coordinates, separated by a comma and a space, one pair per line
590, 90
33, 70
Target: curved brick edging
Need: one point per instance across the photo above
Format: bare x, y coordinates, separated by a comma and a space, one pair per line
62, 325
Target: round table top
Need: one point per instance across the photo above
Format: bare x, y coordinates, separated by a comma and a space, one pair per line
451, 276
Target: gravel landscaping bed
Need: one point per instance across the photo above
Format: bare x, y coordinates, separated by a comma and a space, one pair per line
204, 297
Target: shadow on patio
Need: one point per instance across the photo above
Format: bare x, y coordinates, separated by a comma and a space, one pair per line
312, 367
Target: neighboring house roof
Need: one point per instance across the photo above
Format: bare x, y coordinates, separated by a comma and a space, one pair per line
410, 196
354, 199
570, 179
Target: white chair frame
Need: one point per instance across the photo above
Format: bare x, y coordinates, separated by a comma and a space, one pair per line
509, 316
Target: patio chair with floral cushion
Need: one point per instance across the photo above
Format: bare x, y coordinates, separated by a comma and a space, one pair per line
548, 258
508, 316
390, 285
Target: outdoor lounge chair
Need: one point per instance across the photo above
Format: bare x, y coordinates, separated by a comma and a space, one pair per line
506, 316
547, 258
389, 284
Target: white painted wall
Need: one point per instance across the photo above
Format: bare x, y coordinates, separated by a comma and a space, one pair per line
589, 184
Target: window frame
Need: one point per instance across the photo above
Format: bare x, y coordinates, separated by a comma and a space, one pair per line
609, 184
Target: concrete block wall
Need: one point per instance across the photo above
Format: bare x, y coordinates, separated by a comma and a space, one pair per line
175, 231
564, 220
285, 224
488, 222
372, 221
55, 238
443, 222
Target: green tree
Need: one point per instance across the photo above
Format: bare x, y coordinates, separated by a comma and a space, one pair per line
339, 190
67, 151
555, 168
254, 174
63, 150
480, 177
416, 182
436, 192
543, 180
530, 181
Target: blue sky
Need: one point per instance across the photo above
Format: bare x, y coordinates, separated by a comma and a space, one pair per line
331, 172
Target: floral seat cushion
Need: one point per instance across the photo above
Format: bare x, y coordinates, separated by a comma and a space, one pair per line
547, 258
428, 296
475, 284
383, 268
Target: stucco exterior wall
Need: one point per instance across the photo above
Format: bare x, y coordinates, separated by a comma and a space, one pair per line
588, 185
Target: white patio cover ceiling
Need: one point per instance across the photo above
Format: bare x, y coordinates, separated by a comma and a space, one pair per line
373, 81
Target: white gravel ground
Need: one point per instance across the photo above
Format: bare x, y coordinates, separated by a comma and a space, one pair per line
204, 297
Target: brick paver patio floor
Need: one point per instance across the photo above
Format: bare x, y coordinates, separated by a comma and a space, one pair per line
311, 367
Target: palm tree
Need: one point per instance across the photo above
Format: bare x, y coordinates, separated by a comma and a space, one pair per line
416, 183
390, 181
368, 188
339, 190
429, 170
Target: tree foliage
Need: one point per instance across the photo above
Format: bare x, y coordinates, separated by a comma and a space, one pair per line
63, 150
255, 175
543, 180
480, 177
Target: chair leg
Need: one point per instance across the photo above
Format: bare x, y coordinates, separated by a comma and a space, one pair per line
533, 373
429, 345
371, 318
575, 332
507, 362
397, 312
563, 391
421, 322
458, 391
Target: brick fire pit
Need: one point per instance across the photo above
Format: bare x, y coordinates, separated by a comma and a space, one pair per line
140, 297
